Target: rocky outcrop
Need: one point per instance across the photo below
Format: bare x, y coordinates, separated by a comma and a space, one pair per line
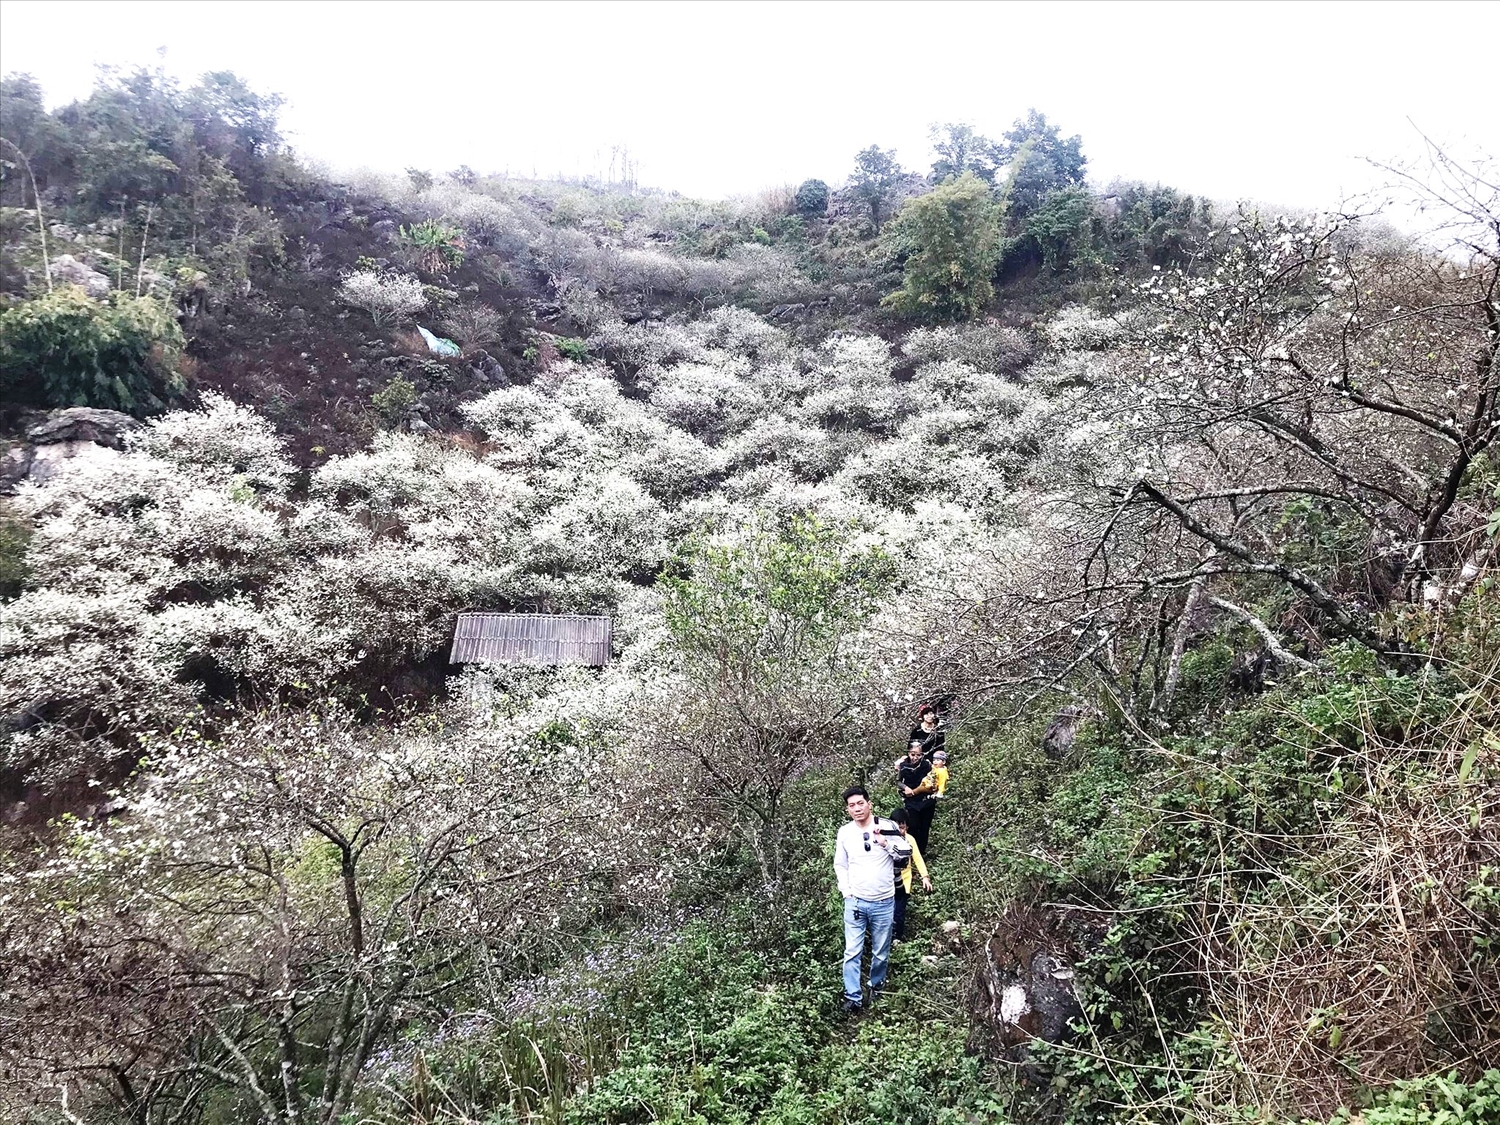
488, 370
1063, 729
1023, 983
82, 424
62, 437
68, 270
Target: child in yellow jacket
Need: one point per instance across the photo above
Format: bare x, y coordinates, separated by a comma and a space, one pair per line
940, 771
903, 878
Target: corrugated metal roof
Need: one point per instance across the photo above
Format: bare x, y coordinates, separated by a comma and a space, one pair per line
531, 638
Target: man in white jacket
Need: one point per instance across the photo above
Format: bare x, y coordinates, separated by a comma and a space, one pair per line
863, 861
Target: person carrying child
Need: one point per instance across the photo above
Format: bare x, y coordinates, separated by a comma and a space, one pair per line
917, 789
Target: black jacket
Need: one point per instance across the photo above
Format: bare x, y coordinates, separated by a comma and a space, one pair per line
912, 777
932, 741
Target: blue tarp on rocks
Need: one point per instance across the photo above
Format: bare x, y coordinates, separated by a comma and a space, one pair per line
437, 345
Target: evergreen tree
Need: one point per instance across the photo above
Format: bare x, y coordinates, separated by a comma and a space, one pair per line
1041, 161
812, 199
959, 149
876, 174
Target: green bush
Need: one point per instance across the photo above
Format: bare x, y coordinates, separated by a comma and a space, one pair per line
66, 349
392, 402
1434, 1100
724, 1045
917, 1074
14, 535
1062, 226
433, 246
573, 348
811, 199
951, 239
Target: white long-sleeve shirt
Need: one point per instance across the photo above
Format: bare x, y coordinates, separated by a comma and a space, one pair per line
864, 874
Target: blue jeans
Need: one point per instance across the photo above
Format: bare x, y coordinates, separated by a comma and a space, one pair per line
861, 917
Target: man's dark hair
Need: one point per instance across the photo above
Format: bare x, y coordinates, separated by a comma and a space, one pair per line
856, 791
898, 814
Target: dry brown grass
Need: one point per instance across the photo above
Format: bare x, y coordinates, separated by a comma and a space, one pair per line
410, 342
468, 443
1371, 961
769, 203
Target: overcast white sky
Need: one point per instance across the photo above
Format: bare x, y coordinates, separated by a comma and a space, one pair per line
1277, 102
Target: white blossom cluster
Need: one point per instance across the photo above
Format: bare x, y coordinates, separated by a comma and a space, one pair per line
387, 297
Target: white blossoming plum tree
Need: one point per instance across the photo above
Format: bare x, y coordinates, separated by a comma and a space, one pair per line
387, 297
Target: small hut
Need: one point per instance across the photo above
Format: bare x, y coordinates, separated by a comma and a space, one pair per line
531, 638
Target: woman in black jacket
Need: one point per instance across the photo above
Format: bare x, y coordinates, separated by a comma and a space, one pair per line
927, 731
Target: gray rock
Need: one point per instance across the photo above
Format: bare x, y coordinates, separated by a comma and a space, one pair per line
15, 466
1024, 988
386, 228
83, 424
487, 369
417, 426
1063, 729
68, 270
787, 310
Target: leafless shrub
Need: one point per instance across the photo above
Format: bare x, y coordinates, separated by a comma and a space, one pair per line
474, 325
768, 204
986, 346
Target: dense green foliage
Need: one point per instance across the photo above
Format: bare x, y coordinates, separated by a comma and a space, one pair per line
193, 169
960, 149
1041, 161
811, 199
875, 176
66, 349
949, 238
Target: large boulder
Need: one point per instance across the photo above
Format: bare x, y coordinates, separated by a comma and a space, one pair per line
1023, 982
487, 369
83, 424
1063, 730
74, 434
68, 270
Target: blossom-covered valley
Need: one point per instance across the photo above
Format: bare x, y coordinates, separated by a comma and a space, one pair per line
1183, 517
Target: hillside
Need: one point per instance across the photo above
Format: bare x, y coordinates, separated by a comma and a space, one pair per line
1183, 517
